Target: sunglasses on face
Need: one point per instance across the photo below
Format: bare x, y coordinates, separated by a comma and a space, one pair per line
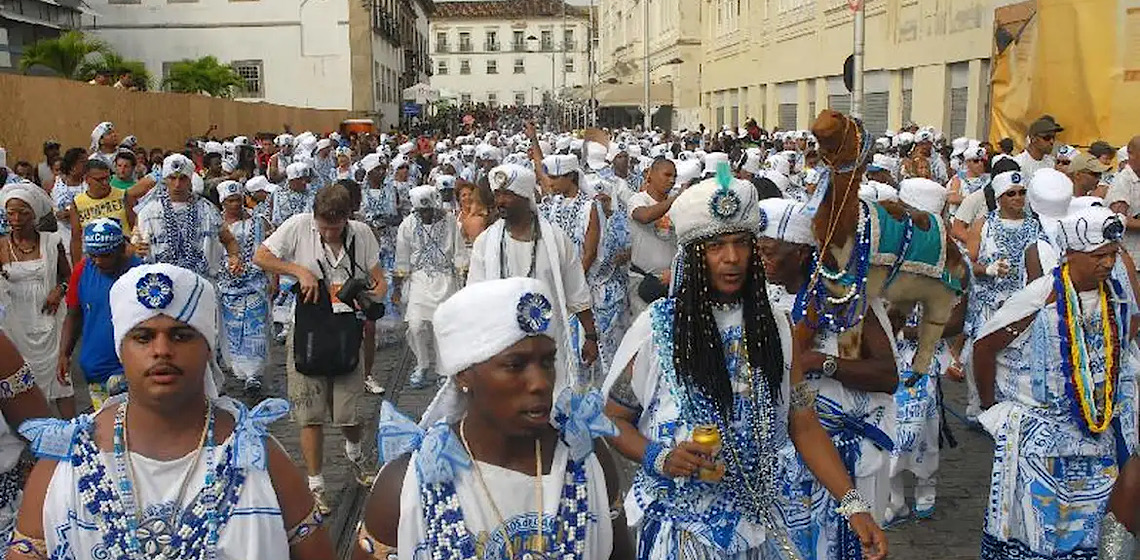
975, 160
1013, 193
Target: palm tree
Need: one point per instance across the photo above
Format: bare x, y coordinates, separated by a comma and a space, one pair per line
205, 75
63, 54
117, 65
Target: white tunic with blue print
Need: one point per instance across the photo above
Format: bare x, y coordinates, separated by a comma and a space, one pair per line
251, 524
1051, 479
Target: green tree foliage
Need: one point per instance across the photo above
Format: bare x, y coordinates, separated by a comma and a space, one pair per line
117, 65
64, 54
205, 75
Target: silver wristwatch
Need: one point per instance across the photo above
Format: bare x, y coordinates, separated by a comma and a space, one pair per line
830, 366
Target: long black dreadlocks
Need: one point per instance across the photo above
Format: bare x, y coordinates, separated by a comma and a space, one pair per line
698, 355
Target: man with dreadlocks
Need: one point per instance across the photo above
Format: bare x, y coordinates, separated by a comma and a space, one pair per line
698, 392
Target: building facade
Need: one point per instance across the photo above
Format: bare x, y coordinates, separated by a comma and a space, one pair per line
305, 53
509, 52
23, 22
674, 34
781, 62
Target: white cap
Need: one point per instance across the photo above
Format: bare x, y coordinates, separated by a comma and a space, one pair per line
713, 160
595, 155
425, 196
557, 166
707, 209
227, 189
370, 162
1090, 229
214, 148
259, 183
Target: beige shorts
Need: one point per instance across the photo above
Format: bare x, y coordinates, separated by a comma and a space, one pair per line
314, 401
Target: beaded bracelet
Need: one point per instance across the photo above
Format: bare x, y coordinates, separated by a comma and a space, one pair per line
802, 396
851, 504
654, 459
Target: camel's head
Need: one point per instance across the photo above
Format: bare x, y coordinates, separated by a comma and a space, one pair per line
837, 136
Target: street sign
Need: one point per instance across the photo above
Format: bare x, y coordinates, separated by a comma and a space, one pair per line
411, 109
849, 73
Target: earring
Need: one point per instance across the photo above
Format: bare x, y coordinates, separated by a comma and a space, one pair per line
465, 389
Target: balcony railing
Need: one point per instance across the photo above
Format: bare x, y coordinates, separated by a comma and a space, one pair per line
491, 46
465, 47
442, 47
570, 45
518, 46
548, 45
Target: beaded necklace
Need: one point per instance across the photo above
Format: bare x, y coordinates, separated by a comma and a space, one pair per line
183, 232
431, 256
448, 537
839, 313
503, 273
1080, 383
197, 533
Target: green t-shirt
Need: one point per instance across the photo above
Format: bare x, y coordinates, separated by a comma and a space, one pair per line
121, 184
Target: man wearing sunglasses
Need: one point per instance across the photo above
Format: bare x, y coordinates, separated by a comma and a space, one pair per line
1038, 152
1123, 197
1087, 173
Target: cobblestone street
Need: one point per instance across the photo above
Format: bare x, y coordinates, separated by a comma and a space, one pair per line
953, 534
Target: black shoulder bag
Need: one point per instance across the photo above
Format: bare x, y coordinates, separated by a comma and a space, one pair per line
326, 344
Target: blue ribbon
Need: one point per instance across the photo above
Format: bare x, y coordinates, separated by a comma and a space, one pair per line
441, 455
251, 431
581, 419
52, 438
396, 434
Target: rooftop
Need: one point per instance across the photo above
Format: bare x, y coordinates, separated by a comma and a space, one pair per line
506, 9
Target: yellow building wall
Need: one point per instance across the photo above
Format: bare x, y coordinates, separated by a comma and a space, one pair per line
810, 40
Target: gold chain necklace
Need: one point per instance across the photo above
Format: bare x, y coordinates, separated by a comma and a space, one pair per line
498, 514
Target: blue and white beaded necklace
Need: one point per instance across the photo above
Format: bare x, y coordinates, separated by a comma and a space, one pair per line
183, 232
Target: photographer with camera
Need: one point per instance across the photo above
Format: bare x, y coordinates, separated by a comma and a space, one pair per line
336, 263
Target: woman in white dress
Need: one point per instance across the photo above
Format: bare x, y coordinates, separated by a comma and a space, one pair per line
33, 282
508, 471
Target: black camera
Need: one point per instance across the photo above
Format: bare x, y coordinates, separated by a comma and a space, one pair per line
355, 291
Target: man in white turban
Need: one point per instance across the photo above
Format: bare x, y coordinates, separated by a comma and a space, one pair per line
1051, 361
476, 462
166, 478
425, 273
523, 244
104, 143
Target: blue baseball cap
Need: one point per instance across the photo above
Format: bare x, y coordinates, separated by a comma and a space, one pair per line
102, 236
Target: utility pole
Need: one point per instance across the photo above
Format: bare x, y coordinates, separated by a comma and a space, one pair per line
590, 66
858, 7
647, 121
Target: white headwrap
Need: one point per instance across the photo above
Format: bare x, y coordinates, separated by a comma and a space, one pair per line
425, 196
259, 183
297, 170
227, 189
177, 164
712, 160
1089, 229
31, 194
923, 194
480, 321
514, 178
212, 147
557, 166
786, 220
596, 155
102, 129
1002, 182
150, 290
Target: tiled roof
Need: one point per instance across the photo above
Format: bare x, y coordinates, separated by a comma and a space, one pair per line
506, 9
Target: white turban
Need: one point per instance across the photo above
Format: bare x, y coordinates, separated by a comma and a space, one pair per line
297, 170
923, 194
370, 162
177, 164
259, 183
31, 194
1002, 182
1089, 229
557, 166
214, 148
102, 129
227, 189
514, 178
150, 290
786, 220
425, 196
707, 209
480, 321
